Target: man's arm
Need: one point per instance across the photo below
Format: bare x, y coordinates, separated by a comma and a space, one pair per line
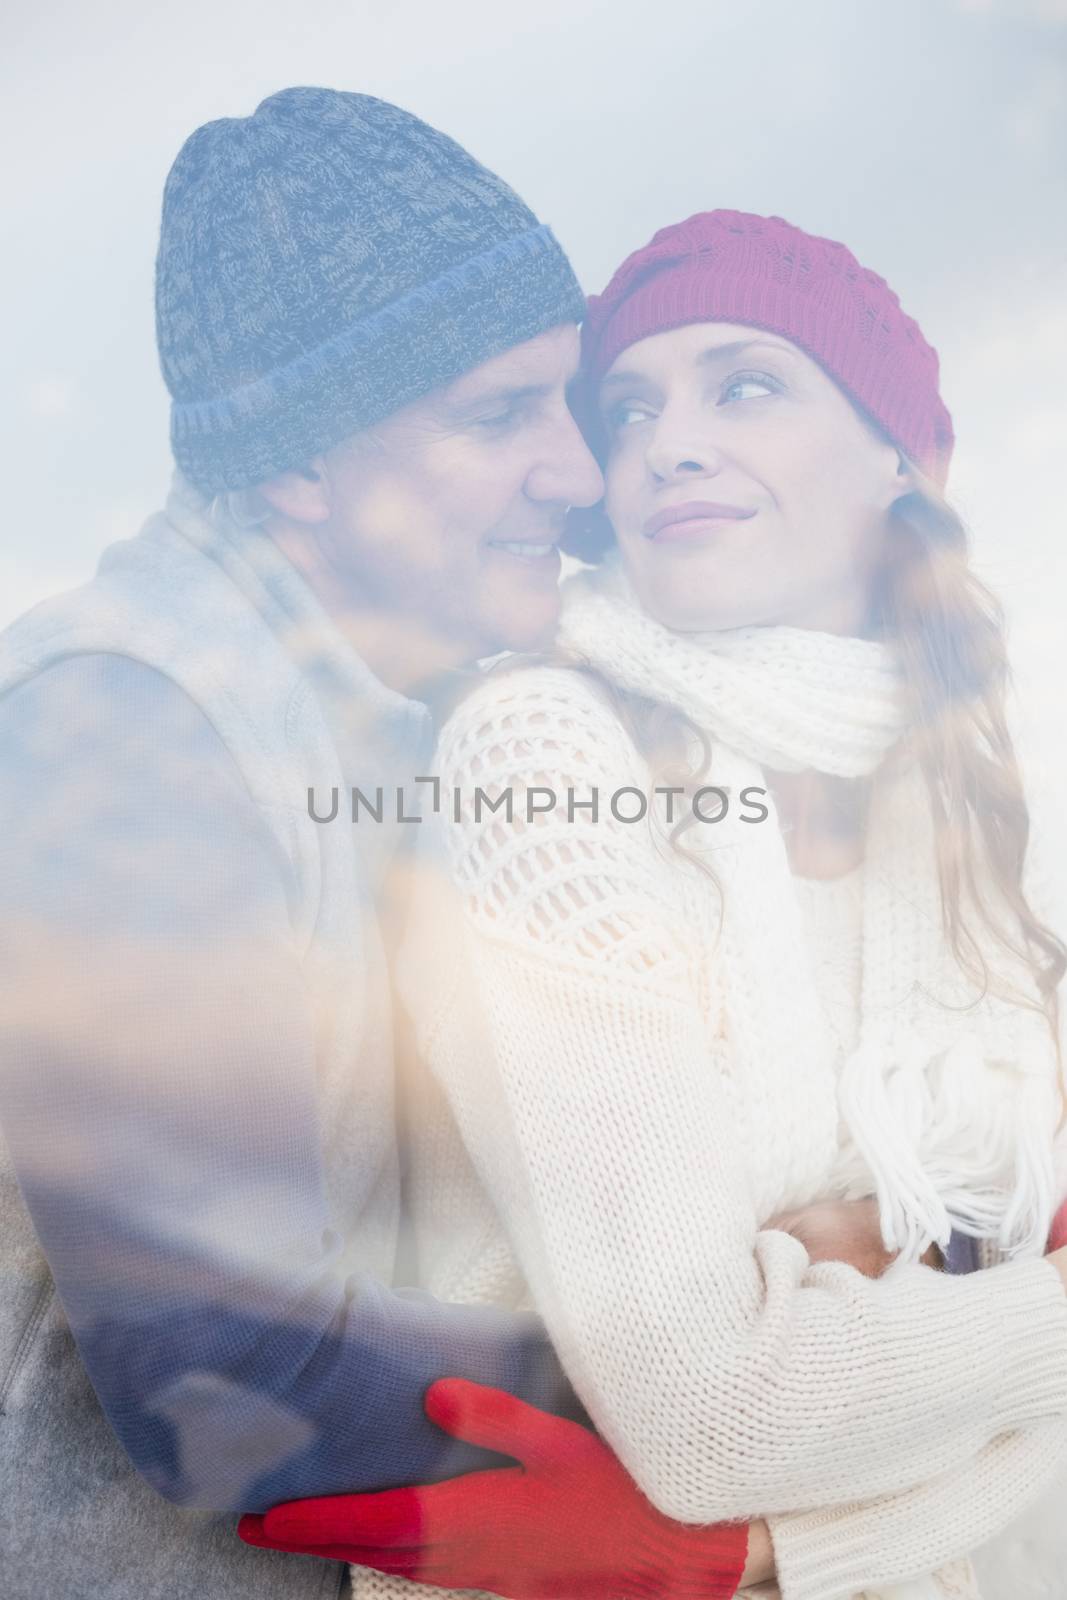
158, 1098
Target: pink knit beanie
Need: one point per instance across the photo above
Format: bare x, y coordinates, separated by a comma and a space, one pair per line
731, 266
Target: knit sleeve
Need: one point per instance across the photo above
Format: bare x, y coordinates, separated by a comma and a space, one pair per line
837, 1553
557, 1002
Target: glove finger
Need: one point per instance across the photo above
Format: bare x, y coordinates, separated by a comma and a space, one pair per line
394, 1518
250, 1528
499, 1421
399, 1563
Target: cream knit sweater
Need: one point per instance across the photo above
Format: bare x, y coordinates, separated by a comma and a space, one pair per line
581, 1146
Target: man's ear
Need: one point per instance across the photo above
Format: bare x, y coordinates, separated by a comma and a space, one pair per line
301, 495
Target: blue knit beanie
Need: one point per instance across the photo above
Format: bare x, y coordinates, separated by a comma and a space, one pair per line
324, 262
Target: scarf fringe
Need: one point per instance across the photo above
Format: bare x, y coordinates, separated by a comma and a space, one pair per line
885, 1126
981, 1177
949, 1102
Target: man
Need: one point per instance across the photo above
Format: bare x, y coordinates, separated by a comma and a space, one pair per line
368, 340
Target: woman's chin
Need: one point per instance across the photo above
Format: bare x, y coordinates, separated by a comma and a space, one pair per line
693, 612
695, 597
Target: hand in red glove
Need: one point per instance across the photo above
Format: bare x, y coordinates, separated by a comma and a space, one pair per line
568, 1520
1058, 1236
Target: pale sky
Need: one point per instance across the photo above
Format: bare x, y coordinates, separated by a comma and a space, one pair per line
929, 135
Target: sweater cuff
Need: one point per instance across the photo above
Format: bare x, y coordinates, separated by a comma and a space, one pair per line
835, 1552
1033, 1357
814, 1560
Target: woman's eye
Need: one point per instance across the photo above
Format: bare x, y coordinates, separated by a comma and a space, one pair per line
748, 386
625, 414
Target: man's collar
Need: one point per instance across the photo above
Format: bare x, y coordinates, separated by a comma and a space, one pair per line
252, 560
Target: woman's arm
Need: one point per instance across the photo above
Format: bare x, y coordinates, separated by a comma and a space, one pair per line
834, 1554
824, 1555
730, 1376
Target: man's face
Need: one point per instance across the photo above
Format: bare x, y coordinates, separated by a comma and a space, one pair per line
445, 519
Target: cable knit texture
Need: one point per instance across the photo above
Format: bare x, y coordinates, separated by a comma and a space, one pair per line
619, 1092
323, 263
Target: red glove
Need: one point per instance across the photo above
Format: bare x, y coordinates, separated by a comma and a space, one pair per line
1058, 1235
568, 1520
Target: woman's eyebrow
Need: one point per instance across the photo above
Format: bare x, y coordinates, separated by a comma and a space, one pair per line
730, 352
618, 380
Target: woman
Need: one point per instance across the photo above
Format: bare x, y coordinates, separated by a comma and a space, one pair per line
786, 955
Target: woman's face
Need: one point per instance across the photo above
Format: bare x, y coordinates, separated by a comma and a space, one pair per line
742, 485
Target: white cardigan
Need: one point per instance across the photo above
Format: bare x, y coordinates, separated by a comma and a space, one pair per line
594, 1149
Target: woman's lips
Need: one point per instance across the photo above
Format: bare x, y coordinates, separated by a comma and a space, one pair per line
691, 519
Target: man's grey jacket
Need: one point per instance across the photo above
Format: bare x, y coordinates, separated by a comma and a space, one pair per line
199, 1180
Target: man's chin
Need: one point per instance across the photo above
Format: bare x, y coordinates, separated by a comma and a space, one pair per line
531, 628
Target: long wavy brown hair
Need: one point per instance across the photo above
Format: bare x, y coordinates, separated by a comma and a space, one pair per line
948, 630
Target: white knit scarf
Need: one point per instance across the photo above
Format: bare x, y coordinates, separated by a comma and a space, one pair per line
951, 1112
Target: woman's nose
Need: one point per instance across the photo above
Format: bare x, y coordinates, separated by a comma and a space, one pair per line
679, 451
